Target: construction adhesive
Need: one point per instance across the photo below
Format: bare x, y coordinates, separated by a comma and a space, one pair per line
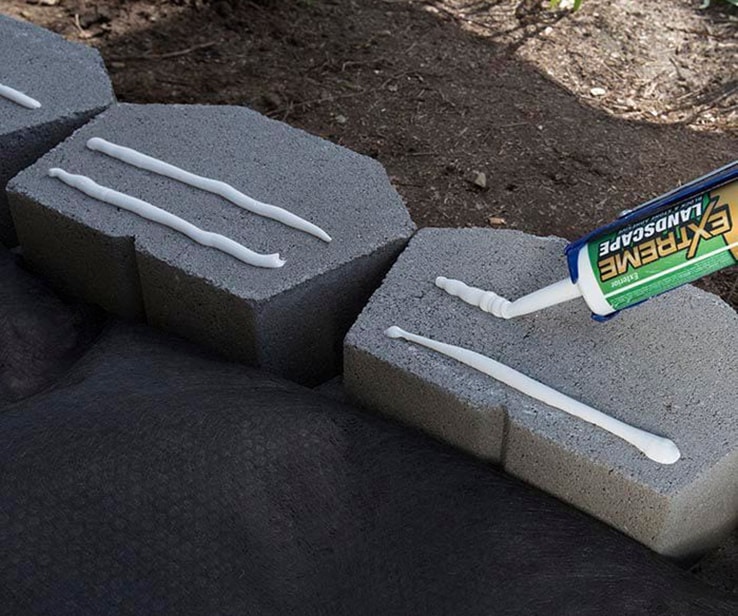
657, 448
669, 241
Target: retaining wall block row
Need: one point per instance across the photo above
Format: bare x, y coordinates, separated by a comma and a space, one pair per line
291, 320
667, 366
70, 82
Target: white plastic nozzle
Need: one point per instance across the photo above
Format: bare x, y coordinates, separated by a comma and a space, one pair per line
498, 306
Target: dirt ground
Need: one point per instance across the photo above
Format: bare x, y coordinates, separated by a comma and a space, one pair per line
482, 112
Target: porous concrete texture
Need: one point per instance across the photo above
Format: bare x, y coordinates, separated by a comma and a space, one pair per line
289, 321
667, 366
70, 82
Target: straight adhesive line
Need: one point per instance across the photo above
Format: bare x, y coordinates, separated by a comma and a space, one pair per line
18, 97
657, 448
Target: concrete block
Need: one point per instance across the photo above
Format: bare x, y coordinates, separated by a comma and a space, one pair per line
667, 366
290, 321
70, 82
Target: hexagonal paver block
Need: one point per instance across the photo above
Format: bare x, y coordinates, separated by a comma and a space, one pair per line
289, 320
67, 79
667, 366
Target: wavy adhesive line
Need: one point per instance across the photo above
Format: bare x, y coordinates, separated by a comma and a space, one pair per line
18, 97
149, 163
155, 214
657, 448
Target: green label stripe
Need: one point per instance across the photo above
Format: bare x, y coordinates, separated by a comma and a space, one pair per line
670, 278
688, 241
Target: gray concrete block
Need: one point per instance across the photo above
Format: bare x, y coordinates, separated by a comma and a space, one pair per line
70, 82
667, 366
291, 320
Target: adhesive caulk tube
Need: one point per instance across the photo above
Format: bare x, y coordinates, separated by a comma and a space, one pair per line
669, 241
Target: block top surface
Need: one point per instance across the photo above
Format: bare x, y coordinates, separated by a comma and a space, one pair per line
667, 366
346, 194
66, 78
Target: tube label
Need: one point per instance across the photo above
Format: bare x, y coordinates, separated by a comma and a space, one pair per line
679, 244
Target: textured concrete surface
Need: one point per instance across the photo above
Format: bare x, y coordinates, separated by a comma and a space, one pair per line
667, 366
70, 82
289, 321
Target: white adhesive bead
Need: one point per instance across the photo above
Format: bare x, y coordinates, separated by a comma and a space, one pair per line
18, 97
486, 300
149, 163
155, 214
657, 448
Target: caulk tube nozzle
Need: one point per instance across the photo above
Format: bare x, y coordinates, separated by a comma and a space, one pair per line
489, 301
556, 293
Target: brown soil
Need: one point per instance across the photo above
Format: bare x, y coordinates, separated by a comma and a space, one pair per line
441, 91
662, 62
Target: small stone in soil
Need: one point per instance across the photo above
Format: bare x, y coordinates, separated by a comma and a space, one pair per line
479, 179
